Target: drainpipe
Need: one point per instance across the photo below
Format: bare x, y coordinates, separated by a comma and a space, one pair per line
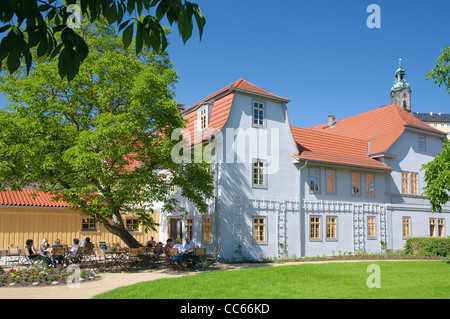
300, 207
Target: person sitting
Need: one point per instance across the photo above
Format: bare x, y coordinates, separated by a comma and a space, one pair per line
73, 250
189, 245
181, 258
167, 246
58, 259
34, 254
87, 244
151, 243
44, 249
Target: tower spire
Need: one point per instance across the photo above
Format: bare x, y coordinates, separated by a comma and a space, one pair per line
401, 91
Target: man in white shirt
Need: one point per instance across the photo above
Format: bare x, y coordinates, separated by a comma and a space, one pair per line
189, 245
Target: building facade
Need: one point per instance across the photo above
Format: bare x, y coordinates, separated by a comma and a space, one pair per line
352, 184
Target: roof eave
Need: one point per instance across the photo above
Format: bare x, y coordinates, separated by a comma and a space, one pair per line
266, 96
387, 169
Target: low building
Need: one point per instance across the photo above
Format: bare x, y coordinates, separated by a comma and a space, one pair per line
25, 216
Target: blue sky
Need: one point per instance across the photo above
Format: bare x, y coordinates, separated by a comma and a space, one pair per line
318, 53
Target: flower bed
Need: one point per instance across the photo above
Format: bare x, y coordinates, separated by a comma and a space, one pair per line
43, 277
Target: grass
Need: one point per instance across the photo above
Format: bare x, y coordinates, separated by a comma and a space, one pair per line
399, 280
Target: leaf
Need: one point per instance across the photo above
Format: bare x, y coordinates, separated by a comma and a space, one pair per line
13, 61
43, 46
127, 35
4, 28
139, 38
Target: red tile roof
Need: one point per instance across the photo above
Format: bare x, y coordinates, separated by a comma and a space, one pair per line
222, 101
240, 84
381, 126
329, 148
25, 198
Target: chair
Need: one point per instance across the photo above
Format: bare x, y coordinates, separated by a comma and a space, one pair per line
57, 255
78, 256
199, 257
133, 258
101, 259
212, 259
33, 262
173, 252
87, 257
157, 252
15, 256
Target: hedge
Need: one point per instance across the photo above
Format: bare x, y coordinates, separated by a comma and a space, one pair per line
428, 246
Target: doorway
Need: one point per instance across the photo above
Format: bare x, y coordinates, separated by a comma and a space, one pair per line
175, 228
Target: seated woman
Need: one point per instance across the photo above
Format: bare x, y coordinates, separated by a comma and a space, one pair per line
44, 249
34, 254
182, 258
58, 259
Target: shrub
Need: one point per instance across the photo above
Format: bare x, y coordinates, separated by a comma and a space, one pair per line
428, 246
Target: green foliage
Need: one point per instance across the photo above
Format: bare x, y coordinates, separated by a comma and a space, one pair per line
437, 172
437, 178
100, 141
46, 24
427, 246
441, 72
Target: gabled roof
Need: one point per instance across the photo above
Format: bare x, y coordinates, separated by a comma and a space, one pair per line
25, 198
239, 85
319, 146
381, 127
221, 106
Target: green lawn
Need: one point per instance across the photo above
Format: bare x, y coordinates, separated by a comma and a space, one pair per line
400, 279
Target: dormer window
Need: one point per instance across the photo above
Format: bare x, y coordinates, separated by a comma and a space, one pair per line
203, 118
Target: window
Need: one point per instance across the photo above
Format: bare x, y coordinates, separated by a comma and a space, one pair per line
189, 227
203, 118
314, 227
441, 232
331, 181
356, 184
414, 184
259, 229
258, 114
370, 186
405, 183
88, 224
406, 222
432, 227
331, 227
131, 224
371, 227
207, 229
258, 173
422, 145
314, 180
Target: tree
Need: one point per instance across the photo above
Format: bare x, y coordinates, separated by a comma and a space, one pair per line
47, 25
437, 172
99, 141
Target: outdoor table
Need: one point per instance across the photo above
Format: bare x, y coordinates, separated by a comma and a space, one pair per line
116, 257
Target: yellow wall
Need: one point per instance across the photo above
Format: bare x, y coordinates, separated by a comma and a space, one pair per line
17, 224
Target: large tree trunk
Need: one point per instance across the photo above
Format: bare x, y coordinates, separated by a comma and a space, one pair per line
118, 228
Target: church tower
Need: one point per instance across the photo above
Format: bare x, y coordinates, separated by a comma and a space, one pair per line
400, 91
